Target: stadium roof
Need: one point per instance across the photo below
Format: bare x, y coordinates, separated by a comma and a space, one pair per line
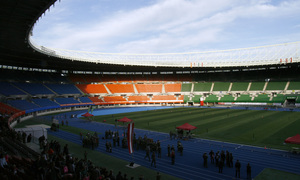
16, 49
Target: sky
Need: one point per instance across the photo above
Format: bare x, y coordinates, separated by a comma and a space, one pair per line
167, 26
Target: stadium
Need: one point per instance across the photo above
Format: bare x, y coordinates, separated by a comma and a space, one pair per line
243, 101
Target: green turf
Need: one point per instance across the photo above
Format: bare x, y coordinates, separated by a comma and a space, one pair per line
272, 174
259, 128
109, 162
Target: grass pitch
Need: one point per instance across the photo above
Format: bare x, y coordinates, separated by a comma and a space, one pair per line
252, 127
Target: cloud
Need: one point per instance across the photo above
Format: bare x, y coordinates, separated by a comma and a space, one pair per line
167, 25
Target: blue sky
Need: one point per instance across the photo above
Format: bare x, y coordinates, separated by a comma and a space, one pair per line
167, 26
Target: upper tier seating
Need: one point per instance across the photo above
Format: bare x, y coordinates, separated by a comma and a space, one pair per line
186, 87
221, 86
92, 88
239, 86
63, 88
124, 79
275, 86
257, 86
108, 78
294, 85
172, 87
149, 88
66, 100
120, 88
33, 88
7, 89
203, 86
22, 104
44, 102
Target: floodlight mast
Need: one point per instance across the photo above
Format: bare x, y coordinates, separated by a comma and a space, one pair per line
255, 56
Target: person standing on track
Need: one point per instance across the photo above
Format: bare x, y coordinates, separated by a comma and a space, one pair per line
153, 159
248, 171
238, 169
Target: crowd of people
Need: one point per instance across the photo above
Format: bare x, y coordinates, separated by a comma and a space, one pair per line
222, 159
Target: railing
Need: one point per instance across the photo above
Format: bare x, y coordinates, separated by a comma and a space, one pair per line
255, 56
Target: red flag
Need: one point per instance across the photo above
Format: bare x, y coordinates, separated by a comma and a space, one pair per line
130, 137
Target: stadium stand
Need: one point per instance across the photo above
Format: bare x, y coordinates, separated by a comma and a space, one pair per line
227, 98
120, 88
69, 100
294, 85
138, 98
44, 102
92, 88
275, 86
221, 86
8, 90
186, 87
6, 109
34, 88
196, 98
77, 78
279, 98
163, 97
257, 86
262, 98
186, 98
96, 99
239, 86
149, 88
63, 88
211, 98
114, 98
108, 78
85, 100
89, 78
172, 87
204, 86
244, 98
22, 104
124, 78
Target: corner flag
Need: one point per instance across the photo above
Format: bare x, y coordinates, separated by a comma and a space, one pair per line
130, 137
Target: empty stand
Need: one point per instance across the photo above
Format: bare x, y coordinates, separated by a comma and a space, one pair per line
163, 97
172, 87
149, 88
257, 86
221, 86
262, 98
138, 98
96, 99
114, 98
92, 88
34, 88
211, 98
44, 102
244, 98
276, 86
203, 86
85, 100
22, 104
239, 86
120, 88
279, 98
294, 85
7, 89
196, 98
187, 87
63, 88
227, 98
69, 100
